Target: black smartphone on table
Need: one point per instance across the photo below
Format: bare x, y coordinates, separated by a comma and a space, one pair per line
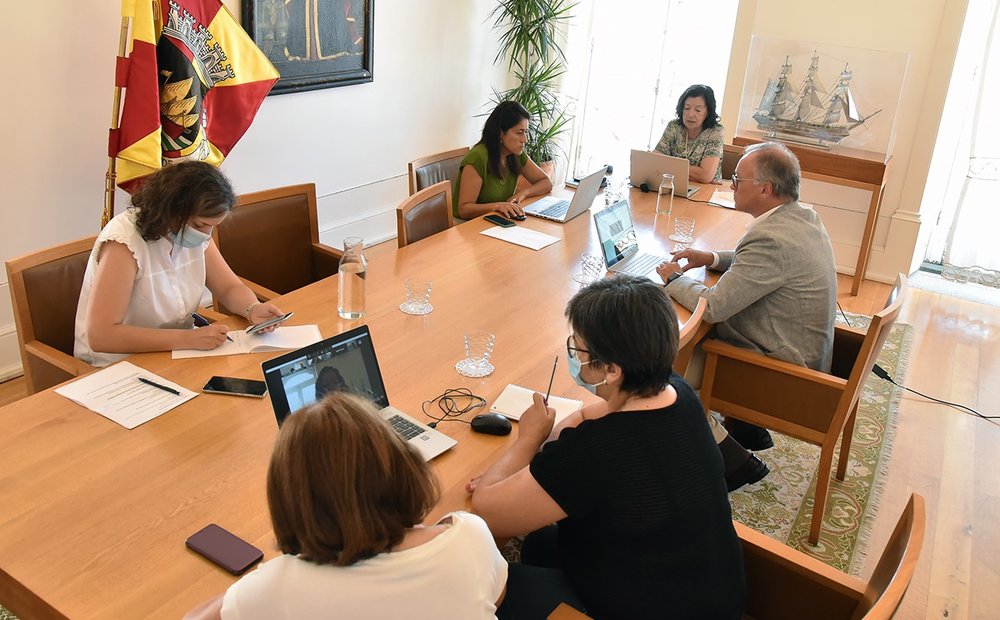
499, 221
236, 386
224, 548
253, 329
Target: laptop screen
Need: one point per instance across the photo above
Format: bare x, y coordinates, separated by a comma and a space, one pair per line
344, 362
616, 233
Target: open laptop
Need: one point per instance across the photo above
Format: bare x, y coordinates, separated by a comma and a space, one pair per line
561, 210
292, 384
619, 245
649, 167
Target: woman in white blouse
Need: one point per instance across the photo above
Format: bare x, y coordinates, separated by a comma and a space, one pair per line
348, 498
150, 267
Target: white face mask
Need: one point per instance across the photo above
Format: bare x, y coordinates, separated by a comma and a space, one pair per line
575, 367
190, 238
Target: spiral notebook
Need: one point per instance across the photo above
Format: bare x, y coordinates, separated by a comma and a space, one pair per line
515, 399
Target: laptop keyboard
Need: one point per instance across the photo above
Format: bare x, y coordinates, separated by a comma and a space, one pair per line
557, 209
640, 265
404, 428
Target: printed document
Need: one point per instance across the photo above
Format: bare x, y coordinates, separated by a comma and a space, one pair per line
117, 394
520, 235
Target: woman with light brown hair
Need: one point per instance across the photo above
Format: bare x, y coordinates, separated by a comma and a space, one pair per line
347, 498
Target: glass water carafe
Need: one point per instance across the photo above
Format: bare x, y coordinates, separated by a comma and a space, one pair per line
352, 276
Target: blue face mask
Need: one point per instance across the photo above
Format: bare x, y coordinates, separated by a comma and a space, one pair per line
190, 238
575, 366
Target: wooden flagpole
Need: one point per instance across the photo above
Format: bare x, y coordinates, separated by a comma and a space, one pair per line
112, 174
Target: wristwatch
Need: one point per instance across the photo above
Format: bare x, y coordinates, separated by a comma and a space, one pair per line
672, 277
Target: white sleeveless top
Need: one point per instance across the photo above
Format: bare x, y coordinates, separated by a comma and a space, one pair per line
457, 575
165, 292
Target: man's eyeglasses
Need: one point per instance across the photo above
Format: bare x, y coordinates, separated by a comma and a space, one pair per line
736, 181
571, 351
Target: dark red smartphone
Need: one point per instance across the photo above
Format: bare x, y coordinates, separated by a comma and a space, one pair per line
225, 549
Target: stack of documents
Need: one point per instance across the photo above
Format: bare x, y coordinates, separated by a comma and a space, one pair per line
520, 235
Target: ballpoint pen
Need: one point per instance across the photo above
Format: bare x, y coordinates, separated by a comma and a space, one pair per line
160, 386
553, 376
200, 321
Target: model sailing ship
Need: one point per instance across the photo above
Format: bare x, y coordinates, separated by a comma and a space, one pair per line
809, 111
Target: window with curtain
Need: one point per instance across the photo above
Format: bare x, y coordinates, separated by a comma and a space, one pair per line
964, 239
629, 61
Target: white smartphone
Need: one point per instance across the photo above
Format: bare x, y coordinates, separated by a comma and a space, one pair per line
236, 387
253, 329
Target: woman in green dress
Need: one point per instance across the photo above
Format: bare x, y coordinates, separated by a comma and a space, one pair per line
488, 174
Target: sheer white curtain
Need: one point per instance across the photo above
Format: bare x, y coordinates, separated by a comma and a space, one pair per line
629, 62
965, 239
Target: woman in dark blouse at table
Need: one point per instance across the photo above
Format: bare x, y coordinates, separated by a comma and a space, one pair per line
635, 486
696, 134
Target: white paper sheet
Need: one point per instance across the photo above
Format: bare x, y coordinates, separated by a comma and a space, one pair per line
283, 338
723, 199
520, 235
117, 394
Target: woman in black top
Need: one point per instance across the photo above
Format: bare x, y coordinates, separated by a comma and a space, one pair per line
635, 487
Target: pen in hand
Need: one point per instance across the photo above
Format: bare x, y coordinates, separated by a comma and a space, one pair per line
158, 385
200, 321
551, 377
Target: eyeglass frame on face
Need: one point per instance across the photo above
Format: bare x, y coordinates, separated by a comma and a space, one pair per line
571, 350
736, 181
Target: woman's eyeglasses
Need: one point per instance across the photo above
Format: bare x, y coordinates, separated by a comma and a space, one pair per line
571, 351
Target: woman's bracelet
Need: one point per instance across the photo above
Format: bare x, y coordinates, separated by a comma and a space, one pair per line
246, 313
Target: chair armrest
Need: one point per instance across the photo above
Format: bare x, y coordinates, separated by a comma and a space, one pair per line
778, 395
55, 357
262, 293
785, 583
213, 316
326, 261
758, 359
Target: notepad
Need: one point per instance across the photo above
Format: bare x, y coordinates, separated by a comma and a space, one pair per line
285, 337
515, 399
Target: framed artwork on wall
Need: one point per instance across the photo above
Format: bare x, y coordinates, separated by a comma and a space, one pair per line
313, 43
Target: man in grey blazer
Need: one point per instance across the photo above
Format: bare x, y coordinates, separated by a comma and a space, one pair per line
778, 291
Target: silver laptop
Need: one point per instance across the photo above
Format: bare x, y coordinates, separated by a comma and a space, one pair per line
619, 245
561, 210
649, 167
348, 360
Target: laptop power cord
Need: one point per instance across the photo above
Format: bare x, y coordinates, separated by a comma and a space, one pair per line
882, 374
453, 402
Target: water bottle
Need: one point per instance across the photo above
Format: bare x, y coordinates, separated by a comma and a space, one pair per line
353, 272
665, 195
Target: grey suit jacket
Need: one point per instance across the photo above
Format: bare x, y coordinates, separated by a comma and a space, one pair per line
778, 292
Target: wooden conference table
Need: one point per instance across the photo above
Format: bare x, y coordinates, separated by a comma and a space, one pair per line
93, 517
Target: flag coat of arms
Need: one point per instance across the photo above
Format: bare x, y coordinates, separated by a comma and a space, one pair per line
193, 83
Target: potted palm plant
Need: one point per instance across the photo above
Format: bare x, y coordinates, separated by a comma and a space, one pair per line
529, 44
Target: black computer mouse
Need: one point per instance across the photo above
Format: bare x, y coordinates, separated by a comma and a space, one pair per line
491, 424
519, 218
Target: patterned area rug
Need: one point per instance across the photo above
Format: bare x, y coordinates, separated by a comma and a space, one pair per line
781, 504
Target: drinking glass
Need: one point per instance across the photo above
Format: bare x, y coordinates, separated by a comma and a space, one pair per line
418, 296
591, 268
683, 230
478, 350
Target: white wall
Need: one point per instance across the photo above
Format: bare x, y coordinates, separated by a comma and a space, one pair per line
929, 32
432, 69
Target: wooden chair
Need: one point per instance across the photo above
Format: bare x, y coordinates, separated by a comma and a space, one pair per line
786, 584
730, 157
424, 213
812, 406
432, 169
688, 340
271, 241
44, 290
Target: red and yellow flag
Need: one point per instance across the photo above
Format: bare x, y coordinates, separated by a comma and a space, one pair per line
193, 83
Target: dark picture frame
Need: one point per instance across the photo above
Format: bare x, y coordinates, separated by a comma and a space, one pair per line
313, 43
